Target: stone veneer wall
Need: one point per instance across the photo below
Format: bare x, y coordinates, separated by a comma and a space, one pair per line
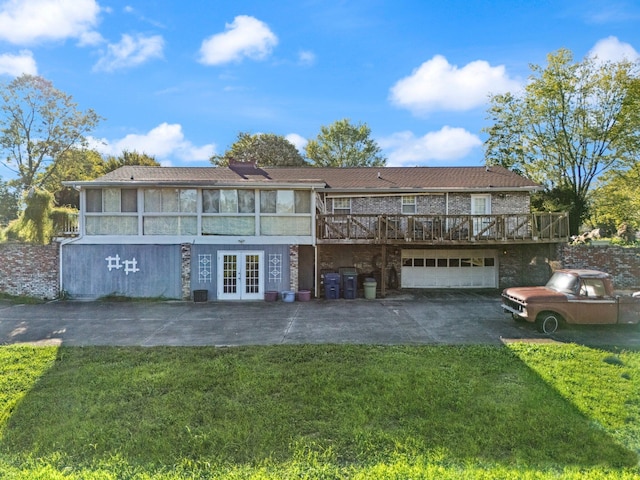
185, 270
623, 264
293, 267
30, 270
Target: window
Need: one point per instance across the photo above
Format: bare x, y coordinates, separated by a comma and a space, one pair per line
342, 206
170, 200
285, 201
111, 200
409, 204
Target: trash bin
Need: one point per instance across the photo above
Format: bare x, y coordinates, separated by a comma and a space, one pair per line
349, 282
332, 286
370, 285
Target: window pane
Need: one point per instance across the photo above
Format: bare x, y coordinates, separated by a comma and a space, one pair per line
246, 201
442, 262
465, 262
228, 201
489, 262
285, 226
431, 262
224, 225
111, 225
152, 200
170, 200
285, 202
94, 200
303, 202
170, 225
211, 201
129, 200
454, 262
407, 262
188, 200
418, 262
111, 197
268, 201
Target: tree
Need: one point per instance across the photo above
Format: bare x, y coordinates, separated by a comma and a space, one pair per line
265, 149
8, 203
342, 144
74, 164
616, 200
572, 122
128, 158
38, 124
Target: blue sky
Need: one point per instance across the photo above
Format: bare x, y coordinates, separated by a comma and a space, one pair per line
180, 79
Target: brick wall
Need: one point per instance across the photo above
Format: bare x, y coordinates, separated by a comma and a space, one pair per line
435, 204
622, 263
30, 270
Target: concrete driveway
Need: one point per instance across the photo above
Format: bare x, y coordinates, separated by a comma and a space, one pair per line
421, 317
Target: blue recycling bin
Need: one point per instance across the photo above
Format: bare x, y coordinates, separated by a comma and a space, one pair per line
331, 286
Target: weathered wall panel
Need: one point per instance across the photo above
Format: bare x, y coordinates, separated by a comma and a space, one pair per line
141, 271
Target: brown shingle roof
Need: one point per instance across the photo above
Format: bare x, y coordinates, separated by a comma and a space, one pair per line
345, 179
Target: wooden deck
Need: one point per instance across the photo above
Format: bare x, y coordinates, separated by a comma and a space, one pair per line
442, 229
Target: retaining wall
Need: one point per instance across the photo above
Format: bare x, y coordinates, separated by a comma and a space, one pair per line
30, 270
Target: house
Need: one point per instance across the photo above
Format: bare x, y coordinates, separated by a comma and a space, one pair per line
239, 231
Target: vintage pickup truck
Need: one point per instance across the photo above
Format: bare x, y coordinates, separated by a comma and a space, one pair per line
571, 296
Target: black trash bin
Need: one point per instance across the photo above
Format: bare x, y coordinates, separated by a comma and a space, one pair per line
331, 286
200, 295
349, 282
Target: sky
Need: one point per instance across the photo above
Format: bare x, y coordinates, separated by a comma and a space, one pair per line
180, 80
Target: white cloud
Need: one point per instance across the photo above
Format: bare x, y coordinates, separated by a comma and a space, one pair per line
438, 85
611, 49
245, 37
447, 144
165, 142
306, 58
16, 65
26, 22
297, 140
130, 52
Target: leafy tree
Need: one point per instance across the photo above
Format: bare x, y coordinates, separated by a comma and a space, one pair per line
616, 200
34, 225
74, 164
129, 158
265, 149
38, 124
572, 122
342, 144
8, 203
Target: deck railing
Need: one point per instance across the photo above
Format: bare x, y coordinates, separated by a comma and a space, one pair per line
437, 229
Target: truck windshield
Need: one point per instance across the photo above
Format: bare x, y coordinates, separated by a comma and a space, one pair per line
562, 282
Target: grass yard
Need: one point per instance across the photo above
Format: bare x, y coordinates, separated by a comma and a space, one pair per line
319, 411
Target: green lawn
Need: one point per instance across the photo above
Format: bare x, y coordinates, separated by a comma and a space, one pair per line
322, 411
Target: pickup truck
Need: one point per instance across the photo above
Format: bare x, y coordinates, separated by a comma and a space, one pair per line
571, 296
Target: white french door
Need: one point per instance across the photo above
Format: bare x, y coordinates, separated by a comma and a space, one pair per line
240, 275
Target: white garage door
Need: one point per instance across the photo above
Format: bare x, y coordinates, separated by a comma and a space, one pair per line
449, 268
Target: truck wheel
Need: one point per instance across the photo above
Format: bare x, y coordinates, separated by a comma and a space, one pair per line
548, 322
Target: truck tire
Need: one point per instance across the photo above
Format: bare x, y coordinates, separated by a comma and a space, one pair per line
548, 322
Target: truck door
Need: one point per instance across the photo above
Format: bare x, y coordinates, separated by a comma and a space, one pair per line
594, 306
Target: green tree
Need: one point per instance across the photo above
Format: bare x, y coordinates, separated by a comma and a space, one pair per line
616, 200
8, 203
572, 122
74, 164
265, 149
342, 144
35, 224
38, 124
127, 158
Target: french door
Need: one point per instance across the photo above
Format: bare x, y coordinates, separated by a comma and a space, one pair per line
240, 275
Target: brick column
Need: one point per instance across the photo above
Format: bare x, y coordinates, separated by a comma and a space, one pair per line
185, 271
293, 267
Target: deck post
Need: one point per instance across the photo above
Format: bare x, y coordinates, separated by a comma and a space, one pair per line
383, 280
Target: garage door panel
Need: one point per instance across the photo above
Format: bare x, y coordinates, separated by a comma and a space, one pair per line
449, 269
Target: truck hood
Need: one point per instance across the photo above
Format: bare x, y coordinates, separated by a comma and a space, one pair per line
535, 294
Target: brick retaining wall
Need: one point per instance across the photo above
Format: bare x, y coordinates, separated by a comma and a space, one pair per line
622, 263
30, 270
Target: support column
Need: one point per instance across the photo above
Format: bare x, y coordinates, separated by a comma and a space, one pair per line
185, 270
383, 272
293, 267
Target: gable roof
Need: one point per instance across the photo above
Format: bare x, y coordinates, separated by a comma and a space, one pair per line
337, 179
